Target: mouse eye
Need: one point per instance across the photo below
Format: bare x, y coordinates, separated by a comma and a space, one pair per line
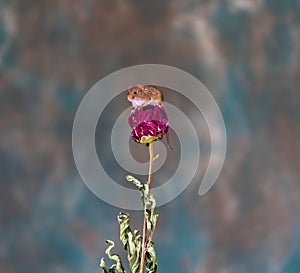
134, 93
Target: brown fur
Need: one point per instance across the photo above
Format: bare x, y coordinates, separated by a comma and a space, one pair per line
146, 92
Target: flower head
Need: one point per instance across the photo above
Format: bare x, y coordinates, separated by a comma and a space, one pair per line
149, 123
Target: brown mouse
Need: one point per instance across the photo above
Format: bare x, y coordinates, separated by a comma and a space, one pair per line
140, 95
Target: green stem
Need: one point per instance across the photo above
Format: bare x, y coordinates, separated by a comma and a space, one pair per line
144, 240
151, 155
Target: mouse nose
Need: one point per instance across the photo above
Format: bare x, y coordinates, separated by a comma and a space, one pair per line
130, 97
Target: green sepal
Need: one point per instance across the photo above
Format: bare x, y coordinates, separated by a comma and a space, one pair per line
148, 139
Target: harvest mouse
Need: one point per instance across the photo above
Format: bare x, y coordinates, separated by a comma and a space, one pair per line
141, 95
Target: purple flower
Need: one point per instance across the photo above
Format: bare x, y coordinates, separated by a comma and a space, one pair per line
149, 123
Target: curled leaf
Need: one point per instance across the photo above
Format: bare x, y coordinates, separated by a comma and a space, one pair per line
151, 260
135, 181
105, 269
156, 157
132, 242
114, 257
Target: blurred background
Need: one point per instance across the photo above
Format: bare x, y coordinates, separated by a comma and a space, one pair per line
246, 52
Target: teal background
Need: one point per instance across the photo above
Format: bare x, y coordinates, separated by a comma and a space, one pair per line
247, 53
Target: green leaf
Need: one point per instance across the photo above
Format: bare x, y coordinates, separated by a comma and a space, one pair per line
151, 217
114, 257
151, 260
156, 157
134, 181
132, 242
105, 269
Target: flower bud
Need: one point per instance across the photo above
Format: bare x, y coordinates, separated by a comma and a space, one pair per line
149, 123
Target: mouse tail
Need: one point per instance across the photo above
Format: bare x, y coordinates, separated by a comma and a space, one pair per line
168, 142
